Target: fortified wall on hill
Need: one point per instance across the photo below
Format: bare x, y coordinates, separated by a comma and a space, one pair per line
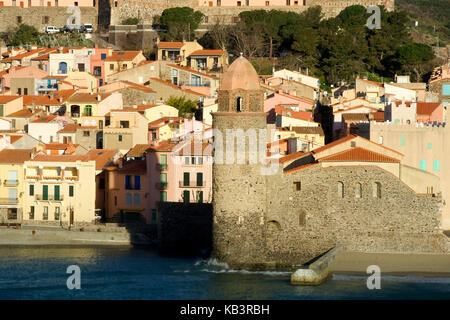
146, 10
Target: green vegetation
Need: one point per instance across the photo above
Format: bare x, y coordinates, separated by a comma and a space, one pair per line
335, 49
179, 23
186, 107
23, 35
130, 21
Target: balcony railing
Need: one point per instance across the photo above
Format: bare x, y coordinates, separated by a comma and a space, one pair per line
69, 178
198, 84
11, 183
40, 197
161, 166
161, 185
9, 200
51, 178
191, 184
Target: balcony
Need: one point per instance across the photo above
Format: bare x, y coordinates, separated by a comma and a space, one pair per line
192, 184
40, 197
161, 166
198, 85
51, 178
11, 183
161, 185
9, 200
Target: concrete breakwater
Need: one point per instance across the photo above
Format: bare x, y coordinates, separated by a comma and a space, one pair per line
57, 236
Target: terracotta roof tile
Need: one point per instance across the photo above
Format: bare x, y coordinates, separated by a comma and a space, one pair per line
6, 99
358, 154
427, 108
138, 150
191, 71
44, 119
207, 53
170, 45
292, 156
122, 55
15, 155
301, 167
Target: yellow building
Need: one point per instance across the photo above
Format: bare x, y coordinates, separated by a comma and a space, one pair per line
177, 51
159, 111
122, 60
11, 181
84, 80
59, 189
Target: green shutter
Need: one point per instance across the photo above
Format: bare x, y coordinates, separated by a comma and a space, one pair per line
31, 189
199, 179
402, 140
186, 196
200, 197
1, 111
163, 162
186, 179
70, 191
44, 192
56, 192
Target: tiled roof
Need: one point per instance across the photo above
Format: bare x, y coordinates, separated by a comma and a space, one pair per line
23, 55
133, 167
70, 128
122, 55
358, 154
301, 115
196, 148
39, 100
170, 45
15, 155
62, 94
101, 157
6, 99
292, 156
355, 107
87, 97
24, 113
158, 123
44, 119
170, 84
378, 116
164, 146
58, 146
138, 150
301, 167
355, 117
308, 130
334, 143
427, 108
378, 84
207, 53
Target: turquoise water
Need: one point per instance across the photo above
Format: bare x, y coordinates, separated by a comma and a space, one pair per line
130, 273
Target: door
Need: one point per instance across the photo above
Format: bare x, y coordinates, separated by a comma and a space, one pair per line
44, 192
56, 192
186, 179
199, 179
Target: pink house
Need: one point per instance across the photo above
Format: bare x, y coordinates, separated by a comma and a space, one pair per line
294, 102
179, 172
48, 3
431, 112
97, 64
19, 73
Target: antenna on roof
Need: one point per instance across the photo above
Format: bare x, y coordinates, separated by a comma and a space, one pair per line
241, 53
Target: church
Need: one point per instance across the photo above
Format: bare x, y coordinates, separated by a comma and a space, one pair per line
351, 192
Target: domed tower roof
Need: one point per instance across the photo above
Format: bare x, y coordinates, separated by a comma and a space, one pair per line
240, 75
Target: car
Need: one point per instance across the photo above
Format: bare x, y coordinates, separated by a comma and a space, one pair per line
72, 28
88, 27
51, 29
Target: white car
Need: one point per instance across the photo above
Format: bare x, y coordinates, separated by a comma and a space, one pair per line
51, 29
88, 27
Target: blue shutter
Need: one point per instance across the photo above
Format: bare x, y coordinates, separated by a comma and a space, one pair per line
137, 182
436, 165
423, 165
128, 199
446, 90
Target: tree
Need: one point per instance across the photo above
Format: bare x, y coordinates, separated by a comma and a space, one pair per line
251, 44
180, 23
186, 107
25, 34
130, 21
220, 33
413, 57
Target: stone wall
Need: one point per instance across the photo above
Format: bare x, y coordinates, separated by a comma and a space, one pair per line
36, 16
185, 229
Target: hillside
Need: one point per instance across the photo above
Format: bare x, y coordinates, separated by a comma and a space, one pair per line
433, 17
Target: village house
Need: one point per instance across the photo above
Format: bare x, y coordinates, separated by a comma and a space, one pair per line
208, 60
10, 104
122, 60
177, 51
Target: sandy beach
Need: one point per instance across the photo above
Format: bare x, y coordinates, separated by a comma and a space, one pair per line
393, 263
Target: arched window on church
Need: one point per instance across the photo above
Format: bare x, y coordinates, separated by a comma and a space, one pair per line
340, 186
239, 104
358, 190
376, 190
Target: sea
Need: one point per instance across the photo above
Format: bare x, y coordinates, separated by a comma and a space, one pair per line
107, 273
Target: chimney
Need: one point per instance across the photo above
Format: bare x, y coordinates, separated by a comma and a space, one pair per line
110, 51
99, 97
134, 106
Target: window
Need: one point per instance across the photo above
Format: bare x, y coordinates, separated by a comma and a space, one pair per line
430, 145
62, 68
111, 66
31, 217
102, 57
340, 186
436, 165
200, 197
267, 3
56, 192
238, 104
57, 211
70, 191
163, 180
45, 19
86, 133
44, 192
154, 216
446, 90
200, 179
238, 3
31, 189
101, 184
163, 196
193, 160
423, 165
115, 201
402, 140
115, 4
186, 179
297, 186
128, 199
19, 91
128, 183
153, 136
137, 199
200, 160
137, 182
45, 215
376, 190
119, 137
186, 196
124, 124
186, 160
19, 19
88, 110
358, 190
25, 91
380, 140
75, 4
163, 160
